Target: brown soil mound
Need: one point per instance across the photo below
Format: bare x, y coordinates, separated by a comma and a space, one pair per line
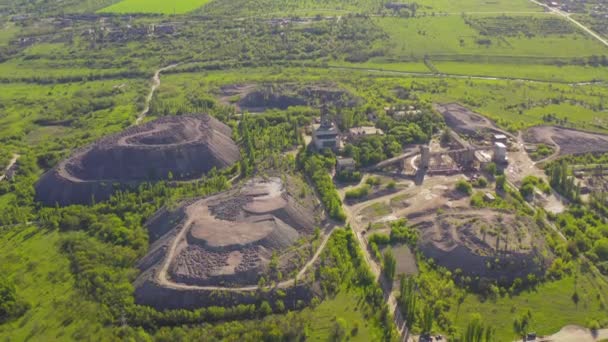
231, 236
464, 121
568, 141
258, 98
485, 243
186, 147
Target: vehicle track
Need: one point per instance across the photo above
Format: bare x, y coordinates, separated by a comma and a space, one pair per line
155, 85
9, 166
166, 282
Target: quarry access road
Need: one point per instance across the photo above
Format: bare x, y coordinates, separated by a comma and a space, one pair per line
568, 17
9, 166
166, 282
155, 85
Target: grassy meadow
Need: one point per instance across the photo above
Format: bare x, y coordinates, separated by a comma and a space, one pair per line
551, 305
43, 279
154, 6
449, 37
345, 305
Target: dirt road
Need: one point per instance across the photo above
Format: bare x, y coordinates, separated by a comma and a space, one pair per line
155, 85
166, 282
575, 333
391, 300
9, 166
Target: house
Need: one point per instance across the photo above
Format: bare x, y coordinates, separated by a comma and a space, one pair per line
345, 164
501, 138
364, 131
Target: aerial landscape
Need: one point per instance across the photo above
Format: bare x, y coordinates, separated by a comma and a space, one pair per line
271, 170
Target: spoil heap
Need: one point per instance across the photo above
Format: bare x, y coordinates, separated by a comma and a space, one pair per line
228, 239
483, 243
180, 147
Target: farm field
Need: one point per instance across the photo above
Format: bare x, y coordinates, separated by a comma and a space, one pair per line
477, 6
154, 6
449, 36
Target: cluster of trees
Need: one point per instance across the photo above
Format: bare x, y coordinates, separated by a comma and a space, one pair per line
358, 192
400, 233
342, 264
265, 136
562, 181
529, 183
317, 167
11, 306
587, 233
415, 129
477, 331
374, 149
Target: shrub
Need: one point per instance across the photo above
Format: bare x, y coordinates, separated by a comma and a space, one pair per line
464, 187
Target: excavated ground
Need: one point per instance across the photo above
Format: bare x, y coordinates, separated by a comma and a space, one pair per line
483, 242
258, 98
567, 141
466, 122
185, 147
231, 237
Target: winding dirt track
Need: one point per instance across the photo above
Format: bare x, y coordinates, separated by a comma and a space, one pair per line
9, 166
166, 282
155, 85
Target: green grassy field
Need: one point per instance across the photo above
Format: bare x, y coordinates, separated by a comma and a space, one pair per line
500, 6
551, 305
552, 73
449, 36
154, 6
42, 276
347, 306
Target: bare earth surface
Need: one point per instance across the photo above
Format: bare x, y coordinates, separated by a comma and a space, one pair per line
567, 141
225, 241
11, 163
177, 147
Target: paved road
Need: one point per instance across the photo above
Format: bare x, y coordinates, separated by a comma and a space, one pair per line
155, 85
572, 20
9, 166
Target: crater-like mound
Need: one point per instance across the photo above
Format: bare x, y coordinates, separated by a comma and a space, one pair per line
486, 243
180, 147
228, 239
258, 98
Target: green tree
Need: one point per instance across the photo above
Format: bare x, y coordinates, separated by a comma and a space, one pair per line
389, 264
427, 319
338, 331
522, 323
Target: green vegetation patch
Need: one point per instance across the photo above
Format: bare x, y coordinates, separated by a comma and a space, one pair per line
155, 6
376, 210
544, 302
